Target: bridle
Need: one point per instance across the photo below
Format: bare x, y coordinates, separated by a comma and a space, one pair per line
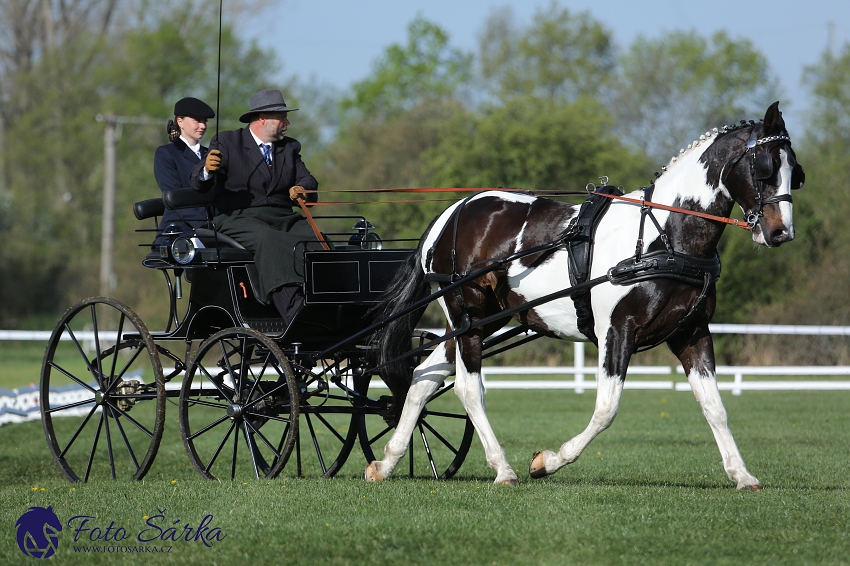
761, 169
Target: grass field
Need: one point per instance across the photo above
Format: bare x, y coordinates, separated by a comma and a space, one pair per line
650, 490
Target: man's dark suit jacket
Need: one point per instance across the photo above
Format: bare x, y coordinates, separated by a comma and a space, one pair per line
246, 181
172, 164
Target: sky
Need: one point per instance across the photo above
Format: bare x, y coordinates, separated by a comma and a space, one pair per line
336, 42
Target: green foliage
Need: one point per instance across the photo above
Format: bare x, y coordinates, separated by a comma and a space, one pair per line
674, 87
427, 68
534, 143
559, 56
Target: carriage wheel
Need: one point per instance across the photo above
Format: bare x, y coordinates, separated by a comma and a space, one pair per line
441, 439
102, 392
328, 429
237, 417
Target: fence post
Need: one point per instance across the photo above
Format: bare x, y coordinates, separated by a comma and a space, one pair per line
736, 385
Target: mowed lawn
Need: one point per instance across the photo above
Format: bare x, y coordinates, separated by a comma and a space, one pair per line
650, 490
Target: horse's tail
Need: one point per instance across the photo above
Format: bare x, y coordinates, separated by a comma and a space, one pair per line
394, 339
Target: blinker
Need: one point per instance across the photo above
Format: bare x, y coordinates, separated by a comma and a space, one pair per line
798, 177
763, 166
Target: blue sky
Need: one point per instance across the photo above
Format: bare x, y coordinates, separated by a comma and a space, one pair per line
336, 41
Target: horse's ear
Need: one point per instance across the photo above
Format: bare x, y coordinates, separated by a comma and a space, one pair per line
773, 122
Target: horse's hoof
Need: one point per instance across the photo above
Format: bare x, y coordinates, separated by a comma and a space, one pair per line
537, 468
751, 487
509, 481
372, 473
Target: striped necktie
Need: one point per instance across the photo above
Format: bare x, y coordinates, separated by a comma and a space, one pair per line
267, 153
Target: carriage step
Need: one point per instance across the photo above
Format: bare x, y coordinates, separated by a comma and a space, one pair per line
266, 325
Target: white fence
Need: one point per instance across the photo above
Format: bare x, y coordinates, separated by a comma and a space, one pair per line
22, 404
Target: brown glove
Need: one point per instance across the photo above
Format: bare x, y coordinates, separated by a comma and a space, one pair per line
297, 193
213, 162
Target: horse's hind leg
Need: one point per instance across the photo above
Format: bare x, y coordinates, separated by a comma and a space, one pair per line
697, 358
609, 389
426, 378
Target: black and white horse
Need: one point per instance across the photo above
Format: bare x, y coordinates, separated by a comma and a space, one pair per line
752, 165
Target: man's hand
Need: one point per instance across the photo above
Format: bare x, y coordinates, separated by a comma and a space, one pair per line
297, 193
213, 162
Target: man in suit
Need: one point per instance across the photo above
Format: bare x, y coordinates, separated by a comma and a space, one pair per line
258, 175
173, 162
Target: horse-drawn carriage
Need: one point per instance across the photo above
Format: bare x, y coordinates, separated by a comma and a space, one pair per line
627, 272
250, 390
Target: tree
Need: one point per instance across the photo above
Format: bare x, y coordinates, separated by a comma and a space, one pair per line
560, 55
426, 69
676, 87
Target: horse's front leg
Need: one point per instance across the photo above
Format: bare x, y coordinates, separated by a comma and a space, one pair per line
697, 357
426, 378
469, 388
614, 358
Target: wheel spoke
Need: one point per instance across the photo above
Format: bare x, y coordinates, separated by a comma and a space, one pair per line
139, 425
106, 414
428, 452
115, 350
220, 446
72, 377
330, 427
316, 444
94, 447
97, 346
71, 406
127, 442
252, 449
377, 437
439, 436
210, 426
460, 416
77, 433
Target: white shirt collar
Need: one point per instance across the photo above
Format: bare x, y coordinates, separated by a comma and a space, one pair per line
196, 148
256, 139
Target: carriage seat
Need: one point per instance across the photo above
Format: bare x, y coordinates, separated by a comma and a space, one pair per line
217, 248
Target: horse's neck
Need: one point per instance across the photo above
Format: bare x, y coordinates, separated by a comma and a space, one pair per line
685, 185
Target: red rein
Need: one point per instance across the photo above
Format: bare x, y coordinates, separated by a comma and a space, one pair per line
641, 202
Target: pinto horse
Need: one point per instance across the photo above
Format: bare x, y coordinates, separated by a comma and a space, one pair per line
751, 164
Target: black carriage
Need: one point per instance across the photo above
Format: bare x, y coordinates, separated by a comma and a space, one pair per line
255, 397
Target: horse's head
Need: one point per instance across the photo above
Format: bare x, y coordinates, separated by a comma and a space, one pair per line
760, 177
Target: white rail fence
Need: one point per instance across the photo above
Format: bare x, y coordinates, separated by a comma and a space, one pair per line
21, 404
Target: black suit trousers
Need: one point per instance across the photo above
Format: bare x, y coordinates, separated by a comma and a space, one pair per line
277, 236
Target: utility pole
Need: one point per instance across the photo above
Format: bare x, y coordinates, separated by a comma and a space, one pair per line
107, 240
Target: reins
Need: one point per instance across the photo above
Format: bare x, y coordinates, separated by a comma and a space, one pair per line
642, 202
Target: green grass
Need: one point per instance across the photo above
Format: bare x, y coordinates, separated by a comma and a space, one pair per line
648, 491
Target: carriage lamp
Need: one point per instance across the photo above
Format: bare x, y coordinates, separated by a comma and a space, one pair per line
364, 238
183, 249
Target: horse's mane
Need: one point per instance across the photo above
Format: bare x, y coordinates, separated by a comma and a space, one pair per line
713, 133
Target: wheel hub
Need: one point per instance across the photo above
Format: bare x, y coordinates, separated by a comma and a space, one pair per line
234, 410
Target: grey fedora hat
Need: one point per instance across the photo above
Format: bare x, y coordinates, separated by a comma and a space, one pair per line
269, 100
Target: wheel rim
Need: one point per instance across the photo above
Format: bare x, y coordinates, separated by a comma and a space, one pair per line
102, 393
236, 414
440, 442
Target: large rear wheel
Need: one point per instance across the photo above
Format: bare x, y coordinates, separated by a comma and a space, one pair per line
102, 393
237, 414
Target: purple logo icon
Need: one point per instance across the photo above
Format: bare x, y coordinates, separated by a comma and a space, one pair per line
38, 532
